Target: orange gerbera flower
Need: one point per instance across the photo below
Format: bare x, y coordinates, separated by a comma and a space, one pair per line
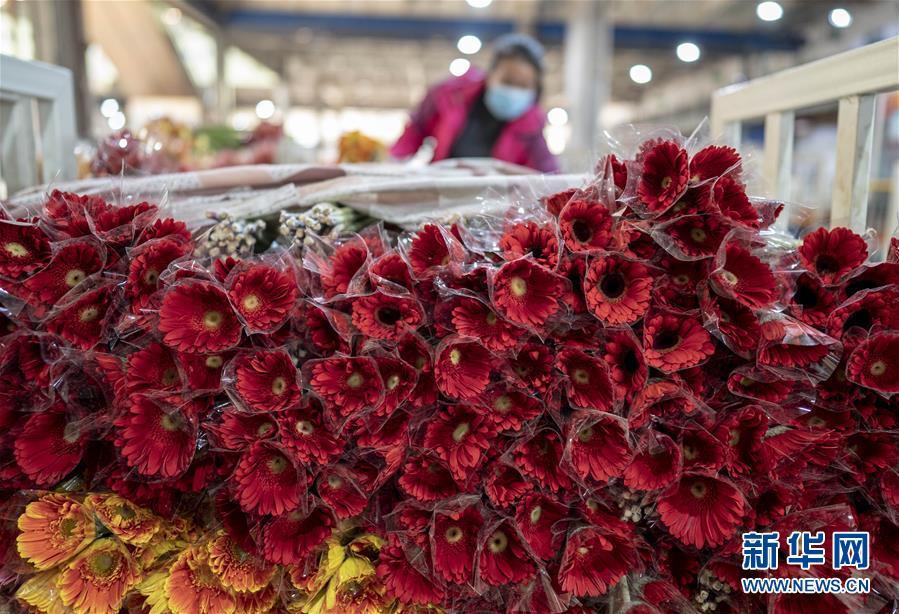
259, 602
130, 523
96, 581
53, 529
238, 570
192, 588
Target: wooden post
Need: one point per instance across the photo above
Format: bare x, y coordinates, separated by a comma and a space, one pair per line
855, 134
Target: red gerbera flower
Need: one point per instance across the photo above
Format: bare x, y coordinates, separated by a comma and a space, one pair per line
266, 380
384, 316
587, 380
504, 559
23, 248
303, 432
534, 365
573, 267
263, 296
347, 385
539, 457
203, 371
618, 290
673, 342
289, 539
83, 321
875, 363
153, 368
733, 323
146, 266
554, 203
664, 176
392, 269
167, 227
403, 579
267, 482
196, 317
713, 161
526, 293
745, 278
472, 318
426, 478
428, 250
541, 520
505, 484
463, 368
454, 541
338, 270
529, 238
509, 409
870, 277
157, 436
730, 197
594, 561
71, 264
701, 450
757, 384
585, 225
459, 435
238, 431
702, 510
624, 357
656, 463
598, 448
50, 445
832, 254
341, 490
789, 344
692, 237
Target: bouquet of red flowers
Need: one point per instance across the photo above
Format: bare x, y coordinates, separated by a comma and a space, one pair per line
580, 405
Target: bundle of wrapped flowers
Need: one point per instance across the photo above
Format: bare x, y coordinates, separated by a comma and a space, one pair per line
578, 407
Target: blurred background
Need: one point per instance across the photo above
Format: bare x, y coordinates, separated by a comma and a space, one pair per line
218, 82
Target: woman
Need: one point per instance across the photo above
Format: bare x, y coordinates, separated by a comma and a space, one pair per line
494, 115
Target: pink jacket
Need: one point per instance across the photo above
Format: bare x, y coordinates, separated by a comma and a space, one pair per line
443, 112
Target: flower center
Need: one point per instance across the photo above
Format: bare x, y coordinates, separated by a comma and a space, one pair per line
169, 376
125, 512
698, 235
690, 452
67, 526
455, 356
279, 385
151, 277
535, 514
746, 382
420, 363
666, 182
877, 368
334, 481
354, 380
491, 318
214, 362
74, 277
71, 433
304, 427
734, 437
212, 320
460, 432
582, 231
817, 421
170, 422
393, 381
519, 286
276, 464
502, 404
612, 285
585, 434
389, 316
826, 264
102, 564
666, 340
251, 302
264, 429
580, 376
498, 542
454, 535
699, 490
681, 280
729, 278
16, 250
89, 314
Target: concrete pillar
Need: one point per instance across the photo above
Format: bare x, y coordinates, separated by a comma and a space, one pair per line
588, 77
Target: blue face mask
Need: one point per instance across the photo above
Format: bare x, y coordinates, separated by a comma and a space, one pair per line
506, 102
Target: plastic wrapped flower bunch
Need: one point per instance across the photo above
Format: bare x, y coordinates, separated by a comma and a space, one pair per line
580, 406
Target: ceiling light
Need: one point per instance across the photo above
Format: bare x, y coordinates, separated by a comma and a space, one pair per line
840, 18
769, 11
479, 4
459, 67
265, 109
469, 44
557, 116
641, 73
116, 121
688, 52
108, 107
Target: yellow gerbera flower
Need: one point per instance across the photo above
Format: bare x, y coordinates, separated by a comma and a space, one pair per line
96, 581
54, 529
238, 570
153, 589
39, 592
130, 523
259, 602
